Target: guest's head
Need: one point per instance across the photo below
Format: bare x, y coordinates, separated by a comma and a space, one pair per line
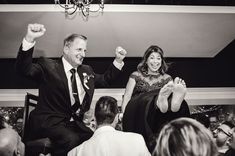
4, 123
222, 133
10, 143
185, 137
232, 139
153, 61
106, 110
75, 47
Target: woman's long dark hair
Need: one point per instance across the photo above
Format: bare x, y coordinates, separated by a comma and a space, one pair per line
143, 67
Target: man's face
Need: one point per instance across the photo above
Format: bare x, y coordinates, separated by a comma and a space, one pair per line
221, 135
75, 52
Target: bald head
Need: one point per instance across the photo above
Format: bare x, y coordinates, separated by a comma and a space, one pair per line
10, 143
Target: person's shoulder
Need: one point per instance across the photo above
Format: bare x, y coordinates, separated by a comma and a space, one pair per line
135, 74
46, 60
84, 66
132, 135
75, 150
47, 63
165, 75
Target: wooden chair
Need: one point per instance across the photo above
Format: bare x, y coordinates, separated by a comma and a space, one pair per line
33, 147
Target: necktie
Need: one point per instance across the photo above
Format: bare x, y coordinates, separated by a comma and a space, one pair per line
76, 105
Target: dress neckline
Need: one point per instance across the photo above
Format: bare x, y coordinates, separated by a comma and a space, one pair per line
145, 74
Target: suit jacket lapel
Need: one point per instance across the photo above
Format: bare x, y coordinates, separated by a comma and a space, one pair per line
64, 80
85, 85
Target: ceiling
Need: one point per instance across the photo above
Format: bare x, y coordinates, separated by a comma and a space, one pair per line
181, 31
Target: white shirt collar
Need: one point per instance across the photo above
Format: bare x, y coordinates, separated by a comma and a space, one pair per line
67, 65
223, 149
103, 129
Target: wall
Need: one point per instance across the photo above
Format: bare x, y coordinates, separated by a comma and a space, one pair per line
197, 72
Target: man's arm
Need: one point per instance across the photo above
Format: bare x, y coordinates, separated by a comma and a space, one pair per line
114, 70
24, 63
120, 54
128, 92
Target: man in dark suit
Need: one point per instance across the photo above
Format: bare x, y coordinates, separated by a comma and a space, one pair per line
66, 88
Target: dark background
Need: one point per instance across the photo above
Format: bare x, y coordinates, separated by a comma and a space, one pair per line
197, 72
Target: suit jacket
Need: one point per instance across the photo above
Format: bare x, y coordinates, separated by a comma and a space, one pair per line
54, 104
106, 141
230, 152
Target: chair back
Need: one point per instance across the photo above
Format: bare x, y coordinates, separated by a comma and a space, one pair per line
30, 104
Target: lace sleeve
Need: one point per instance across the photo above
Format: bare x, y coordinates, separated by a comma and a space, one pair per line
167, 78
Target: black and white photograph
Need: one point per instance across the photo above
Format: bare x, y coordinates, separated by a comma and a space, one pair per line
117, 78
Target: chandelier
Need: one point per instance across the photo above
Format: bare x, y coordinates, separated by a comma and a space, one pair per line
83, 6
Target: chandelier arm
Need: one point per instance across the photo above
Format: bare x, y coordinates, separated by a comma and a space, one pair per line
72, 6
75, 9
83, 12
101, 4
89, 2
64, 6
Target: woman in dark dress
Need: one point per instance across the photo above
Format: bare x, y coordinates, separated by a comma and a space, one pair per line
152, 98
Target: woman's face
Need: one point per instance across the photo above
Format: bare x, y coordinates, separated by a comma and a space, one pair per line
154, 62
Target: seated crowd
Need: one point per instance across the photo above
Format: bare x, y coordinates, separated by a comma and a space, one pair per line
180, 137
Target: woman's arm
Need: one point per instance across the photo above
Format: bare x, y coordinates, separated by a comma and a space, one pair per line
128, 92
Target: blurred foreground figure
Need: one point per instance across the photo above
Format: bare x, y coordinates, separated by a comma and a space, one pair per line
185, 137
10, 143
231, 151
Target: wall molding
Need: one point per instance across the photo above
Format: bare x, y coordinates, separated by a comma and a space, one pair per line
121, 8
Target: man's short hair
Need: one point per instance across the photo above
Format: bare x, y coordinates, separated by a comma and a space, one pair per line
72, 37
229, 124
105, 110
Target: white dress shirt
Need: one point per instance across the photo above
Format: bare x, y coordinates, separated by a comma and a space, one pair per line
81, 91
106, 141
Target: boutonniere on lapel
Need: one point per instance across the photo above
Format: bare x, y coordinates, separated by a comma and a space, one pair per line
86, 79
